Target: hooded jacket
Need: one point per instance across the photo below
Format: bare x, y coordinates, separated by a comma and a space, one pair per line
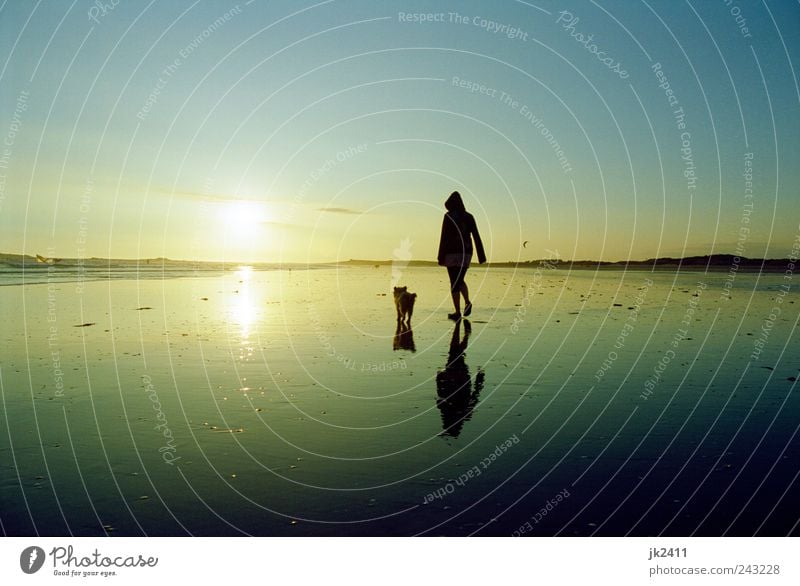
458, 231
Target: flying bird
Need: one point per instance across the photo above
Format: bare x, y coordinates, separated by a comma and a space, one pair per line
525, 244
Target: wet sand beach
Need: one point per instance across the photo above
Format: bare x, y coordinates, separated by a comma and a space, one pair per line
287, 403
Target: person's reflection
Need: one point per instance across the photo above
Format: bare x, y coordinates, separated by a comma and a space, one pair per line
457, 397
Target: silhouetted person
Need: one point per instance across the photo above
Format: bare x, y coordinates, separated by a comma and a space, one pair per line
455, 250
457, 398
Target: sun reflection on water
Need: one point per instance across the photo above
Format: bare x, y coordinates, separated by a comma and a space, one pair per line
243, 310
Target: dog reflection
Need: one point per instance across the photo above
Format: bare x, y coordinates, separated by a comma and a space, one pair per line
457, 395
403, 338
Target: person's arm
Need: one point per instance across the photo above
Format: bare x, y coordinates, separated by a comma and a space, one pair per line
442, 238
478, 243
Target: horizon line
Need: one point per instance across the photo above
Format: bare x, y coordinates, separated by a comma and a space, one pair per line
35, 260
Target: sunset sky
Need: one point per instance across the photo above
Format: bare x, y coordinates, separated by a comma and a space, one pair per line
315, 131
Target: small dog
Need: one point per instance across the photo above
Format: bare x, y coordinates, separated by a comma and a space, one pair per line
404, 304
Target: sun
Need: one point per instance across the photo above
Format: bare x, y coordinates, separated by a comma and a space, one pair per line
242, 220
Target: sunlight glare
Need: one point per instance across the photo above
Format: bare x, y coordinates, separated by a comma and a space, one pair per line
242, 220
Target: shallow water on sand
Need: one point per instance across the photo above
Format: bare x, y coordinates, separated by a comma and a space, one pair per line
287, 403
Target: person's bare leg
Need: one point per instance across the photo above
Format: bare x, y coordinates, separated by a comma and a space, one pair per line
456, 300
467, 302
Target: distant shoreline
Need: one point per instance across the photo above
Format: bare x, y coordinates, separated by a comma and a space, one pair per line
716, 263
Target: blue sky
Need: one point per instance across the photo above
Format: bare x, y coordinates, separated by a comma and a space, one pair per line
314, 131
